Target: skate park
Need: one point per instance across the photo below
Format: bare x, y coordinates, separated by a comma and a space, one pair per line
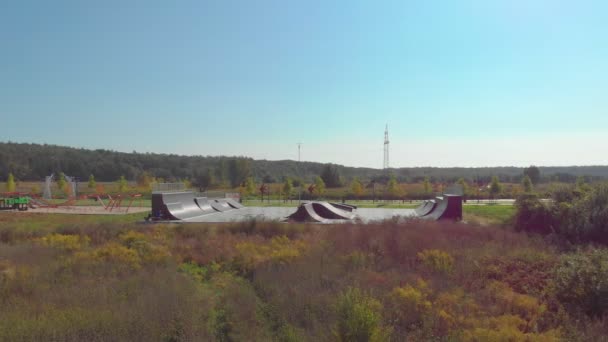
171, 202
186, 206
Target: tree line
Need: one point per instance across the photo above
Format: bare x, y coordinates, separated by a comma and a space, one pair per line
32, 162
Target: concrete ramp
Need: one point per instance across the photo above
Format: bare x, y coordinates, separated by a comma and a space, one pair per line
421, 206
180, 205
306, 213
323, 212
175, 206
426, 208
328, 211
447, 207
343, 206
203, 203
220, 205
233, 203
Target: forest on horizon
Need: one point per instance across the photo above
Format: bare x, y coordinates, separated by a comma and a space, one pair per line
32, 162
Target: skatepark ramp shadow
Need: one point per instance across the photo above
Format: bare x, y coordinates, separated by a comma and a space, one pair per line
184, 206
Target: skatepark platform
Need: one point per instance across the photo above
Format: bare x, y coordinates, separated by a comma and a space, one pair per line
184, 206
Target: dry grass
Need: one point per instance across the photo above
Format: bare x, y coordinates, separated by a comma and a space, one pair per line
72, 278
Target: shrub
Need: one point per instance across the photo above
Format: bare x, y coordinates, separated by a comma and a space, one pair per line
581, 281
113, 253
359, 317
65, 242
528, 308
572, 217
528, 271
532, 215
409, 305
436, 260
590, 217
146, 250
280, 250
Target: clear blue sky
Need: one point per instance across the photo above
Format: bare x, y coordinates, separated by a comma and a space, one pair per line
462, 83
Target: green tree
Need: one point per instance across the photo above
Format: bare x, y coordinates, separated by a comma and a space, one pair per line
122, 184
61, 183
287, 188
221, 172
356, 187
10, 183
331, 176
392, 187
238, 170
202, 179
495, 187
526, 183
581, 184
359, 318
426, 184
534, 173
92, 183
250, 186
144, 179
464, 185
319, 187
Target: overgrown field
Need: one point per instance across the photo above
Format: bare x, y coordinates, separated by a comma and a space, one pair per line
69, 278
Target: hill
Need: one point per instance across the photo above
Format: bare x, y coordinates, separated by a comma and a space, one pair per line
31, 162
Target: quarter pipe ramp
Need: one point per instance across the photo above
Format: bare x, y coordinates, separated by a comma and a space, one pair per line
183, 205
447, 207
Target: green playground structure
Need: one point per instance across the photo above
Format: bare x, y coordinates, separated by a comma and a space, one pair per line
14, 201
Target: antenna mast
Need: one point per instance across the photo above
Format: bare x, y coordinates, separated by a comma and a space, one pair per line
386, 142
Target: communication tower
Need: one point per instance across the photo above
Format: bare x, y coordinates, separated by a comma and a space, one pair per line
386, 142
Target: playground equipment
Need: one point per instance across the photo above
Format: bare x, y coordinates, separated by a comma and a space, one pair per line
14, 201
48, 180
37, 202
72, 186
116, 202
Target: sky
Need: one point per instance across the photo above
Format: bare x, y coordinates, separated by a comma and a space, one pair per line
459, 82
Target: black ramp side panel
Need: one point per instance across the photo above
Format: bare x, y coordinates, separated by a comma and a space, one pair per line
328, 211
203, 203
454, 210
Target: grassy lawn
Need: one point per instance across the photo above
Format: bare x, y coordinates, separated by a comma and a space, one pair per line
46, 222
489, 213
